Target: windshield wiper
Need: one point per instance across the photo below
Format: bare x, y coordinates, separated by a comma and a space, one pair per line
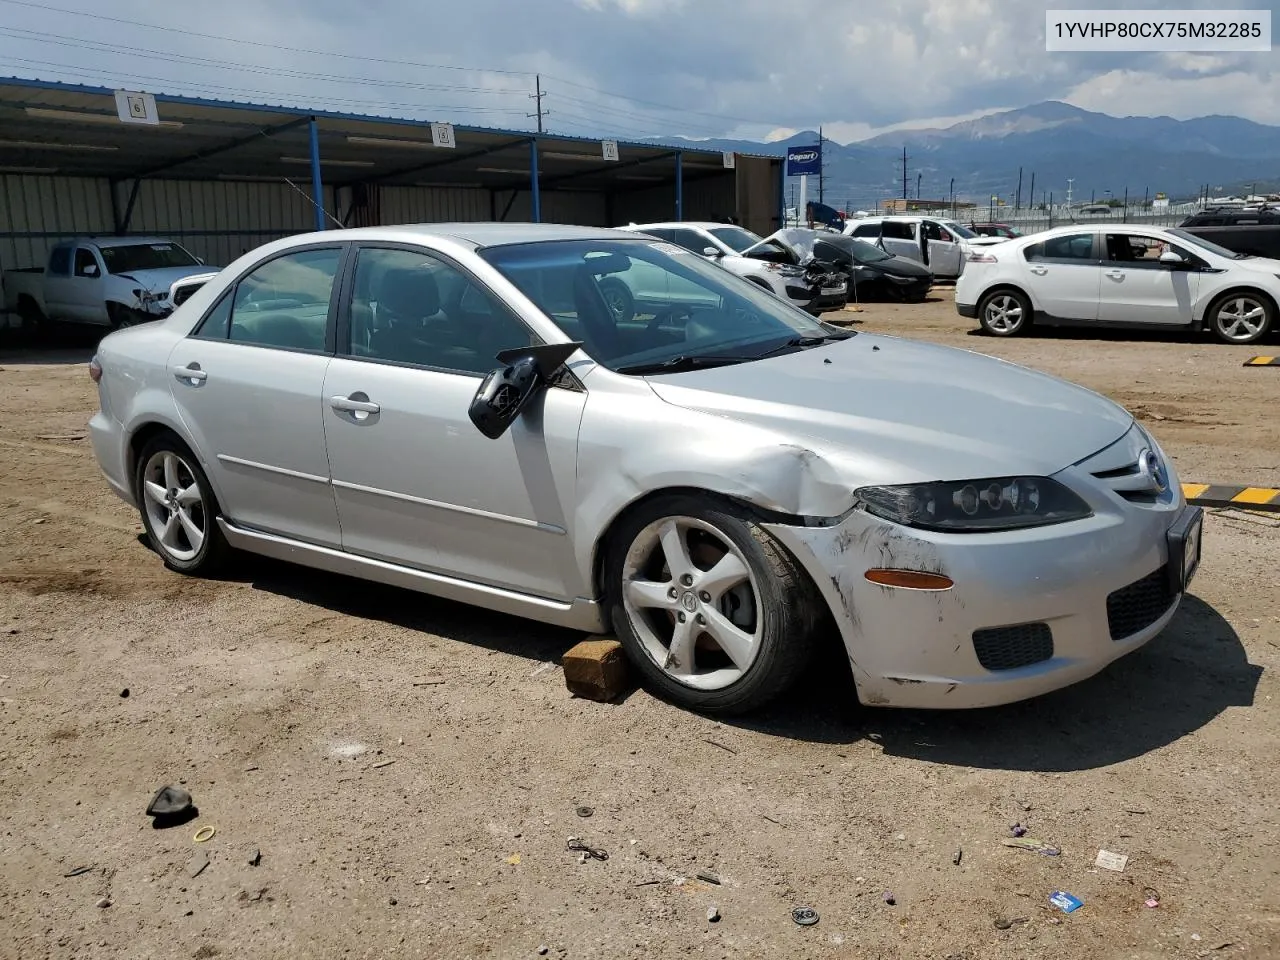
799, 343
682, 362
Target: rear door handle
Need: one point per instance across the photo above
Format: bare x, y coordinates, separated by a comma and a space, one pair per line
191, 374
1040, 271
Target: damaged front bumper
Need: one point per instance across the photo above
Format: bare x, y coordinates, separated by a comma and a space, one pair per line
1030, 611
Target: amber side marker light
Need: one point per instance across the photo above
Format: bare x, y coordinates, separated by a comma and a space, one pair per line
95, 369
910, 579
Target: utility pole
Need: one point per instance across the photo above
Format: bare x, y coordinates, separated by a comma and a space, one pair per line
1031, 194
951, 193
537, 80
1017, 198
822, 167
918, 176
904, 178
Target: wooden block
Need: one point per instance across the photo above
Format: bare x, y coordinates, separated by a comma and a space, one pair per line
596, 669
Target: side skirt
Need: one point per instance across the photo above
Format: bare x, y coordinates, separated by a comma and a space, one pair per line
579, 614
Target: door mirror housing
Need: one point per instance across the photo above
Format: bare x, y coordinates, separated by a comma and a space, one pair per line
506, 390
712, 252
1171, 259
91, 270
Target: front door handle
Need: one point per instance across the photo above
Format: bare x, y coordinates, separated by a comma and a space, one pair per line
191, 375
358, 405
1116, 274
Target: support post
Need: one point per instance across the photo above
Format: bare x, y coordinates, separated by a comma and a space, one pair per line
782, 194
533, 180
679, 187
317, 184
802, 209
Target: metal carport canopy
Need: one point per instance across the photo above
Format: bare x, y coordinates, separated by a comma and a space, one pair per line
74, 130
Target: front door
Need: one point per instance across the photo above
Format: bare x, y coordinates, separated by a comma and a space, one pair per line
84, 291
1138, 288
899, 238
1063, 276
248, 385
416, 483
944, 249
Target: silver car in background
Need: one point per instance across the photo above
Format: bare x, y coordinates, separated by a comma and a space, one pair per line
719, 479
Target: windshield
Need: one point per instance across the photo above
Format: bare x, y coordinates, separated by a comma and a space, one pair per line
964, 233
636, 304
865, 252
146, 256
735, 238
1204, 244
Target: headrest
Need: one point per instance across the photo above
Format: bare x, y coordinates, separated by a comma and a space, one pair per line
409, 292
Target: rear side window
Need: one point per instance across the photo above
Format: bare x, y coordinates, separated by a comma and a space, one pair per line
284, 303
898, 230
1075, 246
867, 230
60, 261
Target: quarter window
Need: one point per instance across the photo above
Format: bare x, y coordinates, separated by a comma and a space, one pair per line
411, 307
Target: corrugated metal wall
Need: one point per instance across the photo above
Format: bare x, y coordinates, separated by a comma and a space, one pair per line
220, 220
34, 205
711, 199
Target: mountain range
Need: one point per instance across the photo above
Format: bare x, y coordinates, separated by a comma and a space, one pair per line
1053, 140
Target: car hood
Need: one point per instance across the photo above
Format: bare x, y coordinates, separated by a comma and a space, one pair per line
1261, 265
886, 410
798, 240
161, 279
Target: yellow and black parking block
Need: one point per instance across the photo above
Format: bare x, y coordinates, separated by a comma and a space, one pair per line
1223, 495
1262, 362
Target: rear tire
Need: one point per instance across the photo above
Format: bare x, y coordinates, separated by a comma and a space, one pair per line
179, 511
1243, 317
1005, 313
618, 297
750, 613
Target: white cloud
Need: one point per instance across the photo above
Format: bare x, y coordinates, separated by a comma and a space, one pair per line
1134, 92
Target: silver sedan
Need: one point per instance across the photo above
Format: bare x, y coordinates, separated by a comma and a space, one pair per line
720, 479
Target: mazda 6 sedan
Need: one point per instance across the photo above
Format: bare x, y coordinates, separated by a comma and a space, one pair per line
720, 480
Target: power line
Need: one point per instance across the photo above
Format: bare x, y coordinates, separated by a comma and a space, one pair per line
133, 25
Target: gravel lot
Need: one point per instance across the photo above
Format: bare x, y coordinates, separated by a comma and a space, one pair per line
280, 697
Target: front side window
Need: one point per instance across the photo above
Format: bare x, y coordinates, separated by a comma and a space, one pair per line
146, 256
285, 302
638, 303
408, 306
86, 266
691, 240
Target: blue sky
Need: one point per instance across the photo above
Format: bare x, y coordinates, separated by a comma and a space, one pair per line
757, 69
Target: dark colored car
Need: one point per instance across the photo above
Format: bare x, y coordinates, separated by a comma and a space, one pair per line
995, 230
1253, 232
873, 272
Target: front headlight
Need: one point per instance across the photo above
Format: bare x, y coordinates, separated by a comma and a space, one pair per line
970, 506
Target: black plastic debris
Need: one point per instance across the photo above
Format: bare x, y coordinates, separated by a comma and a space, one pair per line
170, 807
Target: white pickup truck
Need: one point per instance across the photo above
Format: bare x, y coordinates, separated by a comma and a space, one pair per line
109, 281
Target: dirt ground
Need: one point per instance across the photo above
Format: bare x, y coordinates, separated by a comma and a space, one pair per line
410, 769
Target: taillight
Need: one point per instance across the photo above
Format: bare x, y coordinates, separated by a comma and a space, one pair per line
95, 369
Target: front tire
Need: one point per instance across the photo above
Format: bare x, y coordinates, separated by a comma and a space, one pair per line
712, 611
619, 298
1243, 317
179, 510
1005, 313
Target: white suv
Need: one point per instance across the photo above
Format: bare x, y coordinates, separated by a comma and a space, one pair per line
814, 288
941, 245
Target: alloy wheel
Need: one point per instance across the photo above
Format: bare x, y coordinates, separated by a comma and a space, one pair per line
1241, 318
692, 601
174, 505
1003, 314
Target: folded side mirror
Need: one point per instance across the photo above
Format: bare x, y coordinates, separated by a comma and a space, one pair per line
506, 390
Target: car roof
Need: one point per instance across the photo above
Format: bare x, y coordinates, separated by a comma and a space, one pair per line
482, 234
126, 241
674, 224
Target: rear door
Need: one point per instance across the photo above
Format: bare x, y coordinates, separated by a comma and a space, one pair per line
1064, 275
84, 296
248, 385
1138, 288
58, 281
899, 237
416, 483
